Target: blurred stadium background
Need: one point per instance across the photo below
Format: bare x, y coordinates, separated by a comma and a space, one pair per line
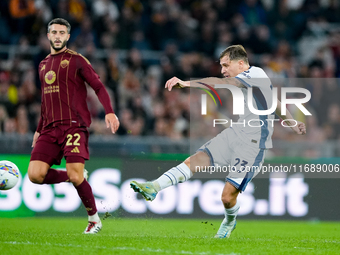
135, 46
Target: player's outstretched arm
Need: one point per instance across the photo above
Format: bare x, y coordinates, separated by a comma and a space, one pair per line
112, 121
35, 138
174, 82
299, 129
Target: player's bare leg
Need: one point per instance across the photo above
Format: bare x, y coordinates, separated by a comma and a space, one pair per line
229, 195
37, 171
40, 172
229, 199
75, 172
178, 174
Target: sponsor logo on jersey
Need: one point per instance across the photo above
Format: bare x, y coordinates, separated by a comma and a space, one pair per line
50, 77
51, 89
43, 68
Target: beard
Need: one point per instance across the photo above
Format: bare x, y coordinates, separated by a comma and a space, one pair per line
58, 48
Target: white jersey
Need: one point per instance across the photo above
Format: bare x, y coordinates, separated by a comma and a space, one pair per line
250, 127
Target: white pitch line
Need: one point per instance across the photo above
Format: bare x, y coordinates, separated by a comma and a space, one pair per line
119, 248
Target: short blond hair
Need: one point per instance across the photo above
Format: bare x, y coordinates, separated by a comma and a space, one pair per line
235, 52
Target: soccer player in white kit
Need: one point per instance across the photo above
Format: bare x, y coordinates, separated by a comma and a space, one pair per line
239, 146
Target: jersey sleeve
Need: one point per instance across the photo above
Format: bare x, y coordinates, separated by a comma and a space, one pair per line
92, 78
254, 77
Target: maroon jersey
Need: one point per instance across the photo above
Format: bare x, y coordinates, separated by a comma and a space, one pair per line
63, 90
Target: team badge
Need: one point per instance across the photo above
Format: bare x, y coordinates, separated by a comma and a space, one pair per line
50, 77
64, 63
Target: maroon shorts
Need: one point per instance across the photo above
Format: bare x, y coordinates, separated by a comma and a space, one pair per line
56, 142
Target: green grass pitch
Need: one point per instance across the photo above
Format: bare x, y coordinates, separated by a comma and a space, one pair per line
25, 236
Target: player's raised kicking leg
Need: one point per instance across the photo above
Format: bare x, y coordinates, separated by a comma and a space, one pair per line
177, 174
184, 172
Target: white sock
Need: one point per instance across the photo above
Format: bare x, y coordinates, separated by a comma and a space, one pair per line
178, 174
231, 213
94, 217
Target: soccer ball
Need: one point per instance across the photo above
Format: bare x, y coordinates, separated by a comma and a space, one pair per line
9, 175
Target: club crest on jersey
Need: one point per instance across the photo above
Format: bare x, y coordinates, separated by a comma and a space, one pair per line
64, 63
50, 77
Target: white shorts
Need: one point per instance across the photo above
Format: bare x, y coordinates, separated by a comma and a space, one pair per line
243, 160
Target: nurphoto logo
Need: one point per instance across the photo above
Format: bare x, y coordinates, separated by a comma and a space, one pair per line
238, 104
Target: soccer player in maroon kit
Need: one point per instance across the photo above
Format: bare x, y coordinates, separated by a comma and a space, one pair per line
62, 130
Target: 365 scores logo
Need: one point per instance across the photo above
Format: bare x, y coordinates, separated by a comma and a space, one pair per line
238, 105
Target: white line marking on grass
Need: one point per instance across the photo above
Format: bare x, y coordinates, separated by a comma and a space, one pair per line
118, 248
332, 241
